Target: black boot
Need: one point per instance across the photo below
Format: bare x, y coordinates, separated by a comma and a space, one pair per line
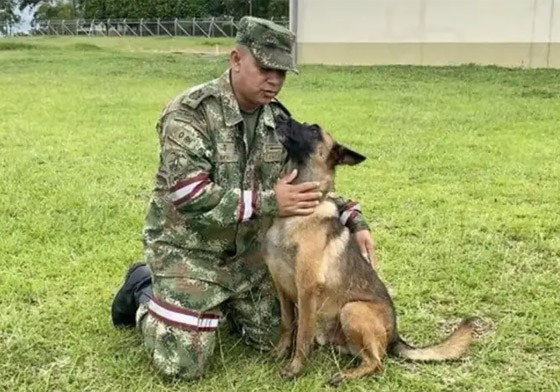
137, 289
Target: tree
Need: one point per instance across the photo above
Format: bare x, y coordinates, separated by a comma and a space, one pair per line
52, 9
261, 8
94, 9
8, 12
47, 11
168, 9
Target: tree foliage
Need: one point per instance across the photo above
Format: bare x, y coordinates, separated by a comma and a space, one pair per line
52, 9
168, 9
136, 9
8, 11
47, 11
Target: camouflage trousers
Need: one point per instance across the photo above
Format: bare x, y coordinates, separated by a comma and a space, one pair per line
180, 337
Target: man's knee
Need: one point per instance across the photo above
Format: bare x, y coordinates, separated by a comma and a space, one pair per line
176, 352
255, 315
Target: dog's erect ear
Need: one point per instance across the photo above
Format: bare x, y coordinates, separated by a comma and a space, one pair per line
344, 156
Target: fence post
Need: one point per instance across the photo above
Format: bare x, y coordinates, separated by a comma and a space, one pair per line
157, 27
193, 27
52, 28
183, 30
141, 23
64, 27
231, 28
117, 32
175, 27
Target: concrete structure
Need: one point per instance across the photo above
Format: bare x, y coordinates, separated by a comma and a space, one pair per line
516, 33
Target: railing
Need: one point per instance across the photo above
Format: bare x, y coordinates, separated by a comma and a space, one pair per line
193, 27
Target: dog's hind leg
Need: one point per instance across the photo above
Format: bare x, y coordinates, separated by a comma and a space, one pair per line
365, 326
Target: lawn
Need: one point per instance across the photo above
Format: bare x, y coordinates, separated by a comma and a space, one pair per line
461, 188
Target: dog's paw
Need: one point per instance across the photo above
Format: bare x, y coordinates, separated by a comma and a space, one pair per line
337, 380
293, 370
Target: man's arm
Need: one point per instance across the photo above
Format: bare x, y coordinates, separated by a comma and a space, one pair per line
187, 153
350, 215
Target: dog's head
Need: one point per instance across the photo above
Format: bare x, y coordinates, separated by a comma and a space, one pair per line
313, 151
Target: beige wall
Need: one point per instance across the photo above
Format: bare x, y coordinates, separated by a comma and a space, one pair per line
430, 32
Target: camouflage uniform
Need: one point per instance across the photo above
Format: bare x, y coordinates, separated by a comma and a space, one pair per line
212, 203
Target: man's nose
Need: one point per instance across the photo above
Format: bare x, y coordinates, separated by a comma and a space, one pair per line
275, 77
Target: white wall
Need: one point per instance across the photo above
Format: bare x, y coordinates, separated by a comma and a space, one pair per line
428, 22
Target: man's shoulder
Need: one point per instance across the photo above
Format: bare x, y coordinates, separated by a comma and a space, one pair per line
190, 99
194, 96
279, 109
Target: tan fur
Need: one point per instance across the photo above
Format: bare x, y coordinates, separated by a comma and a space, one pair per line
314, 284
451, 348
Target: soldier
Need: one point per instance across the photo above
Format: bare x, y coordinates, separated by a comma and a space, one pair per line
221, 181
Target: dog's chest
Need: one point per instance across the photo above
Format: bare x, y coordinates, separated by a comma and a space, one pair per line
283, 243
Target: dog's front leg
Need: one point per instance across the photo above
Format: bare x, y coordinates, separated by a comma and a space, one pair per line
287, 326
307, 305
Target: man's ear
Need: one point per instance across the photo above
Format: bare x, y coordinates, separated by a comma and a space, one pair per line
235, 60
344, 156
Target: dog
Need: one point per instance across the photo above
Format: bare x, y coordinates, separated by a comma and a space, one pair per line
321, 276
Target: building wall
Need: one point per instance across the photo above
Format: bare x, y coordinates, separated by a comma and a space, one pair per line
516, 33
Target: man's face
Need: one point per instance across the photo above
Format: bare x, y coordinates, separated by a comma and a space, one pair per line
256, 85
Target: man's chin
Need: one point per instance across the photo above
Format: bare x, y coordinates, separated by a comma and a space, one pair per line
267, 99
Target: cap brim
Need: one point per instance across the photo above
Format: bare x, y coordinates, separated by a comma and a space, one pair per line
275, 59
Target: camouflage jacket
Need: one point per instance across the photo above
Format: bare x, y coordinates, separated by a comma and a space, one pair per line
214, 196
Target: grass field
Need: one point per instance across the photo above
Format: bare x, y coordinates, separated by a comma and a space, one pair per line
461, 187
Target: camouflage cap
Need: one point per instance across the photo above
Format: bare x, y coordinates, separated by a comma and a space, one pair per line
270, 44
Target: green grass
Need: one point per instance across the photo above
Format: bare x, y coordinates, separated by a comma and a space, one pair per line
461, 187
128, 44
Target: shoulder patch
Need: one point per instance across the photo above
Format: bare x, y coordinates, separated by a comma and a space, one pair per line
196, 95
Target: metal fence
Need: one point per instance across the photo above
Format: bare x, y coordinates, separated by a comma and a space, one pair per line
193, 27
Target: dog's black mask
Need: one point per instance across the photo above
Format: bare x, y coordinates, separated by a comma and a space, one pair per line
299, 140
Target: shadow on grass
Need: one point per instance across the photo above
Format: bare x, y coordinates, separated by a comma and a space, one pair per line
81, 46
16, 46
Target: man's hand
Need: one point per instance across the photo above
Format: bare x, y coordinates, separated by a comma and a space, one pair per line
298, 199
367, 247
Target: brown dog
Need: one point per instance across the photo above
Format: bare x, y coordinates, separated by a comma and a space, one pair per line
321, 276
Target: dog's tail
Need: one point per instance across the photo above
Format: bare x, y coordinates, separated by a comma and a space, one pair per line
451, 348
